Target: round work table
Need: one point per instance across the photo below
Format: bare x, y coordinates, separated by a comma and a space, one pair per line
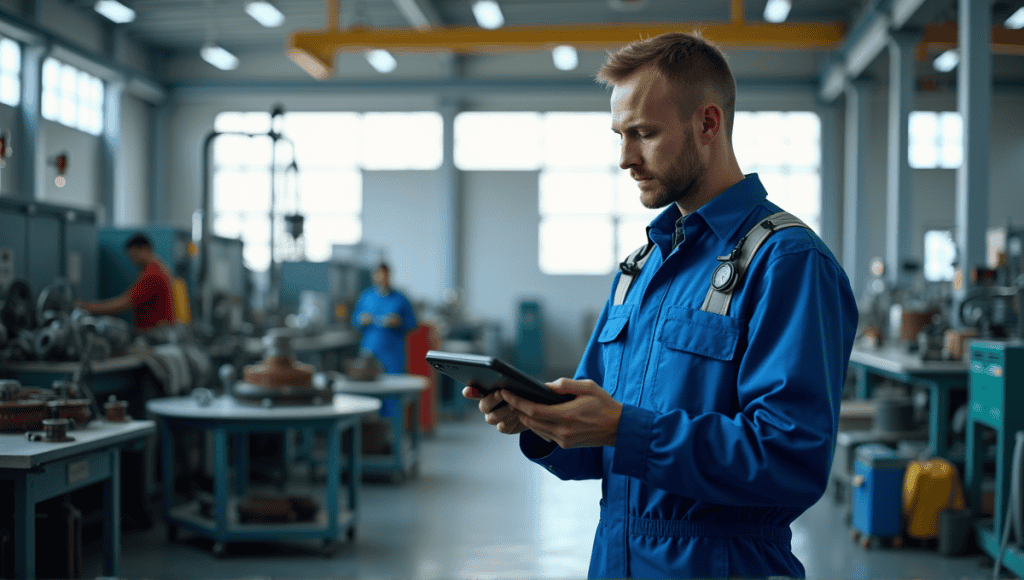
224, 417
395, 393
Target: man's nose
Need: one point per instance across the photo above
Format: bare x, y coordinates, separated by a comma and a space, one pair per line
629, 156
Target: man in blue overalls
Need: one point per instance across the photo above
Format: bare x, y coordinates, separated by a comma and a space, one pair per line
386, 317
710, 432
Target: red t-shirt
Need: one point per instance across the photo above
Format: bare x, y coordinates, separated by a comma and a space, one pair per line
151, 296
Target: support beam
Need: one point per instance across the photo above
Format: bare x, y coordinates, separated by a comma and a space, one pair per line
31, 158
158, 210
974, 101
941, 37
855, 214
110, 151
450, 181
899, 185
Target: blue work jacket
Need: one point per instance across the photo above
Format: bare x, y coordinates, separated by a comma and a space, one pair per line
728, 422
387, 344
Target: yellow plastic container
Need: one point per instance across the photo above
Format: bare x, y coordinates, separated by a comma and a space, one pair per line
182, 309
929, 487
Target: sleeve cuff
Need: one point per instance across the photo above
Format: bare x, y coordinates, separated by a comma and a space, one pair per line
633, 442
533, 447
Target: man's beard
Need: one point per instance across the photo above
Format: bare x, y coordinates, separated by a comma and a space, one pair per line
681, 181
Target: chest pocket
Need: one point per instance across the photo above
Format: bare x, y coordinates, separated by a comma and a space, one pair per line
696, 349
613, 340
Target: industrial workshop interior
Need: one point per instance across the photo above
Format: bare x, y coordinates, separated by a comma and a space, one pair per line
525, 289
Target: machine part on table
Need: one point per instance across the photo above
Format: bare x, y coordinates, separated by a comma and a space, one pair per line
22, 415
203, 397
263, 509
54, 341
227, 374
54, 431
991, 308
894, 414
16, 309
279, 378
9, 389
116, 411
364, 368
75, 410
956, 342
58, 297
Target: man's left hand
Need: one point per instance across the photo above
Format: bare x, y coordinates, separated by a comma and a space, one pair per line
589, 420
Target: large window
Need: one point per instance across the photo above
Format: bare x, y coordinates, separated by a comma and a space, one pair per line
72, 97
590, 211
936, 140
330, 151
10, 72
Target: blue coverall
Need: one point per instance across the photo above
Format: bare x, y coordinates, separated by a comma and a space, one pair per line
387, 344
728, 422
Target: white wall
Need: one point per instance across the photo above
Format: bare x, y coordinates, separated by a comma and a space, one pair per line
83, 171
131, 183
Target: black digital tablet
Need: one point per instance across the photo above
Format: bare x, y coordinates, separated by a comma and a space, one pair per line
488, 374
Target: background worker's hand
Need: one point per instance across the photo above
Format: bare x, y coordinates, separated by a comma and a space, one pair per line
589, 420
366, 319
505, 418
393, 321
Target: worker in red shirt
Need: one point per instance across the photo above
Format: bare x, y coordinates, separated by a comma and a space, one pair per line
150, 296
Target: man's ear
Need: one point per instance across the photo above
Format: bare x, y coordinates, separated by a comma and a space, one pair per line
712, 119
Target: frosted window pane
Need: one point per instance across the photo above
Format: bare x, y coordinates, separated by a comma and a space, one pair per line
576, 246
575, 192
241, 191
10, 90
51, 74
237, 150
326, 230
579, 140
939, 253
10, 56
228, 225
252, 122
632, 234
402, 140
331, 191
325, 139
952, 132
491, 141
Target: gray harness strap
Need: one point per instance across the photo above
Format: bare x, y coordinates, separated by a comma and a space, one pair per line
727, 276
730, 272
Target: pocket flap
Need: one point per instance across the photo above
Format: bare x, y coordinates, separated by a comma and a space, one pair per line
694, 331
613, 328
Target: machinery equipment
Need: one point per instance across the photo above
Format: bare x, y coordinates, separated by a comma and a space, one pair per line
279, 378
996, 397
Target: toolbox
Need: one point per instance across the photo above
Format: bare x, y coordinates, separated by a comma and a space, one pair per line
878, 491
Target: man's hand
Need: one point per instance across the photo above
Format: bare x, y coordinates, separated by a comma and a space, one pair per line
366, 319
496, 412
589, 420
392, 321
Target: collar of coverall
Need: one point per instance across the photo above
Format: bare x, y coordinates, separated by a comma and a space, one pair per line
725, 214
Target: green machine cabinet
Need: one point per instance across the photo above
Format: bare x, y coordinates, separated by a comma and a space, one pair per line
997, 402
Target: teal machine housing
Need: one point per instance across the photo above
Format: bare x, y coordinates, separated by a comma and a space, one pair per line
996, 401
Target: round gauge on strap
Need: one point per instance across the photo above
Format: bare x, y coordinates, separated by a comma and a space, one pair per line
724, 277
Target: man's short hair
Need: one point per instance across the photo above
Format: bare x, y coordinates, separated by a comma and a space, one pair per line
138, 241
383, 266
687, 60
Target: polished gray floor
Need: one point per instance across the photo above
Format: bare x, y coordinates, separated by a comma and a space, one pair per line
479, 510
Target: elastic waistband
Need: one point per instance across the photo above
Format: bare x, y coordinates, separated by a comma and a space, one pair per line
682, 529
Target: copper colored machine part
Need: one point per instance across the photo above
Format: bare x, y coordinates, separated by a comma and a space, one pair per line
116, 411
22, 415
75, 410
279, 378
54, 431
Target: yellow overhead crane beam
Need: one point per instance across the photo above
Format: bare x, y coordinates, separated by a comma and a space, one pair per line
940, 37
314, 50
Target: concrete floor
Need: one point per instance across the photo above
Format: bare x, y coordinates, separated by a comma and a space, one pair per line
479, 510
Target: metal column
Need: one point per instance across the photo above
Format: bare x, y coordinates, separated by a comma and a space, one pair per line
450, 179
899, 185
32, 153
974, 101
831, 188
858, 95
110, 151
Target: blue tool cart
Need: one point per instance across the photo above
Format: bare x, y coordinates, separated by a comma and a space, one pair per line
877, 495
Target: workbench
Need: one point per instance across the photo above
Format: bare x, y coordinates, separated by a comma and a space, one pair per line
939, 377
43, 470
395, 392
226, 418
111, 376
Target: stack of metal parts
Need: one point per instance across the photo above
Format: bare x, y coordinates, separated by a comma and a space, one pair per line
51, 328
280, 379
68, 405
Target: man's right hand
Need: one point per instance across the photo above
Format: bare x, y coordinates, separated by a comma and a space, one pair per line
366, 319
496, 411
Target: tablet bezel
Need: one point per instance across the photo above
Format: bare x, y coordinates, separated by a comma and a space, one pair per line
520, 383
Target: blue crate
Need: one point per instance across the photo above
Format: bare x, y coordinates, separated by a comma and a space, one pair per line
878, 490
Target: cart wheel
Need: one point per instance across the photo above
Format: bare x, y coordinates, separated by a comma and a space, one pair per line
866, 543
172, 533
219, 549
351, 533
897, 542
855, 535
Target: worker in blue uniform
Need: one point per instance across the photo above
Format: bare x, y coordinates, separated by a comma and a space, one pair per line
711, 433
385, 315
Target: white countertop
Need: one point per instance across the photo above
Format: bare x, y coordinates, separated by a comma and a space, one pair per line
385, 385
17, 452
226, 408
897, 360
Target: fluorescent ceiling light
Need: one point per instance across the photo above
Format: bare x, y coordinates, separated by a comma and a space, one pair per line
218, 57
381, 60
1016, 20
776, 11
114, 11
565, 57
265, 13
946, 61
488, 14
